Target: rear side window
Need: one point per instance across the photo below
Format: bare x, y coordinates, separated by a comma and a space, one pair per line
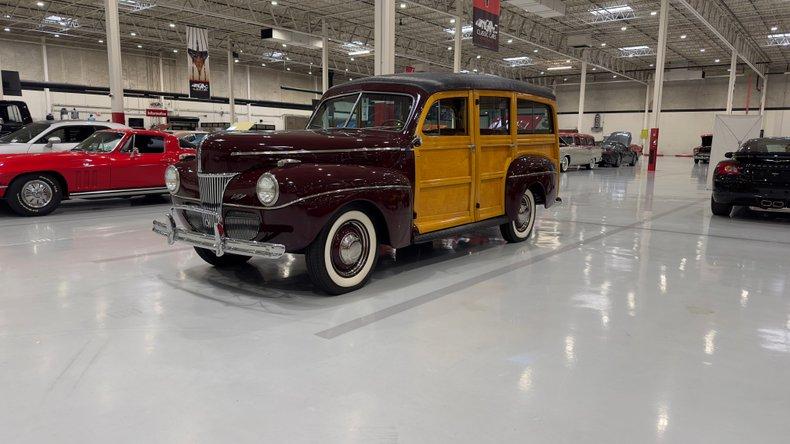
71, 133
534, 118
566, 141
149, 144
11, 113
447, 117
494, 116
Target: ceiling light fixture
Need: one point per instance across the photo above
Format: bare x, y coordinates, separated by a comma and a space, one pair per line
40, 4
558, 68
683, 36
7, 29
653, 12
133, 34
172, 25
510, 40
140, 46
623, 28
403, 5
774, 28
717, 61
274, 2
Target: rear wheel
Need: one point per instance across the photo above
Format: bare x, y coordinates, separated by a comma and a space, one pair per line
342, 257
520, 229
565, 162
227, 260
592, 164
34, 195
720, 209
617, 160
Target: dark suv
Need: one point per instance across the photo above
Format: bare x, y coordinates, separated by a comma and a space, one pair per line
13, 115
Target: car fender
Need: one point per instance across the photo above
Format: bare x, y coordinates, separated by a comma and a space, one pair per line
310, 194
534, 172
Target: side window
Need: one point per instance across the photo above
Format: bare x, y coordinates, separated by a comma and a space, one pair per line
69, 134
534, 118
566, 141
149, 144
494, 116
446, 117
13, 114
577, 140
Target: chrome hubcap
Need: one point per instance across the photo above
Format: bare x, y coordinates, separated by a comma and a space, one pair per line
524, 213
564, 163
37, 194
350, 248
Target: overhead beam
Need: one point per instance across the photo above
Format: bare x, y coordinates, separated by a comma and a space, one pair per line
722, 27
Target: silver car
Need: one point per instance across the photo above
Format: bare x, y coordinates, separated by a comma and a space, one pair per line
578, 150
51, 135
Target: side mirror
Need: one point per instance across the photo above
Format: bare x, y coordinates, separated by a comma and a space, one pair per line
135, 152
51, 141
728, 155
416, 142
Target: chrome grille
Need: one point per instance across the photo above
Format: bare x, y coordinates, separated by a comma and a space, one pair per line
212, 189
243, 225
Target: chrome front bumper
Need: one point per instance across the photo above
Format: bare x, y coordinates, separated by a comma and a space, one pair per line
218, 243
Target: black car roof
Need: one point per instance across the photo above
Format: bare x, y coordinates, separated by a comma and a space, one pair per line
436, 82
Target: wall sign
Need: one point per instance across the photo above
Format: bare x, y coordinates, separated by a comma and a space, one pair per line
156, 112
485, 24
197, 57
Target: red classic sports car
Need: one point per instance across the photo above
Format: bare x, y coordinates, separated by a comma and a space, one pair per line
109, 163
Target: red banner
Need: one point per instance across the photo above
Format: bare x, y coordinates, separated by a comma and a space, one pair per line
485, 24
156, 112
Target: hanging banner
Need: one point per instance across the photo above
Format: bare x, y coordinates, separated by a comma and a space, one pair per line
197, 58
485, 24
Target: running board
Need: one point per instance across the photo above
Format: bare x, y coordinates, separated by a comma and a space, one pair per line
439, 234
119, 193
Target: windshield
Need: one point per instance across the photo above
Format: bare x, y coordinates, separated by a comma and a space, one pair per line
364, 110
773, 146
26, 133
100, 142
566, 141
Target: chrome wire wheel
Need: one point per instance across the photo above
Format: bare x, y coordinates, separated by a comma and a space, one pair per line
37, 194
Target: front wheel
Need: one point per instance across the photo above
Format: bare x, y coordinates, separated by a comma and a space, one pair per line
342, 257
519, 230
565, 162
227, 260
592, 164
634, 160
617, 160
720, 209
34, 195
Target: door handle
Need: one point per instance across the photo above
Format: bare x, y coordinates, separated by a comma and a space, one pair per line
472, 146
514, 145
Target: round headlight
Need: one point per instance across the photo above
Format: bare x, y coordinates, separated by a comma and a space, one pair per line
267, 189
172, 180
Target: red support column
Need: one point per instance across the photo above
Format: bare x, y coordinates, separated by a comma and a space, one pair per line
651, 164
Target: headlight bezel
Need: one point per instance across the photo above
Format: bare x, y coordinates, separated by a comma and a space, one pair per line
172, 189
274, 189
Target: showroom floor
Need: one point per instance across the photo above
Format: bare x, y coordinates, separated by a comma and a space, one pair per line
631, 313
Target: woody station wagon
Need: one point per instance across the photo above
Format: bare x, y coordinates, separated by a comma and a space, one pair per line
395, 160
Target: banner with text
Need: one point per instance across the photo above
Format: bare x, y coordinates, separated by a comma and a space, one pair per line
485, 24
197, 57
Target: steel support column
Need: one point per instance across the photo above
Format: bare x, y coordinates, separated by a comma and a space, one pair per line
582, 91
45, 63
731, 85
249, 95
459, 21
646, 119
231, 92
384, 37
324, 57
114, 60
658, 78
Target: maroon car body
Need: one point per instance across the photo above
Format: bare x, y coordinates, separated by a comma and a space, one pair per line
322, 172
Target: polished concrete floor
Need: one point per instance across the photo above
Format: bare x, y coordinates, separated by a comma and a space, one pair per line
632, 315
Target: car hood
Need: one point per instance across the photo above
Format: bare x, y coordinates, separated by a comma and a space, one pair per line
623, 138
236, 152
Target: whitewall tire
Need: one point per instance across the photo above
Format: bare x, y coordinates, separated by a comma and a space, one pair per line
343, 256
520, 229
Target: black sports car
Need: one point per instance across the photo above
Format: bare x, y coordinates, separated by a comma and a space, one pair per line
757, 175
616, 149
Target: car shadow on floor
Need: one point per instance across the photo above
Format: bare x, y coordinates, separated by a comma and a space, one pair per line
284, 283
758, 215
